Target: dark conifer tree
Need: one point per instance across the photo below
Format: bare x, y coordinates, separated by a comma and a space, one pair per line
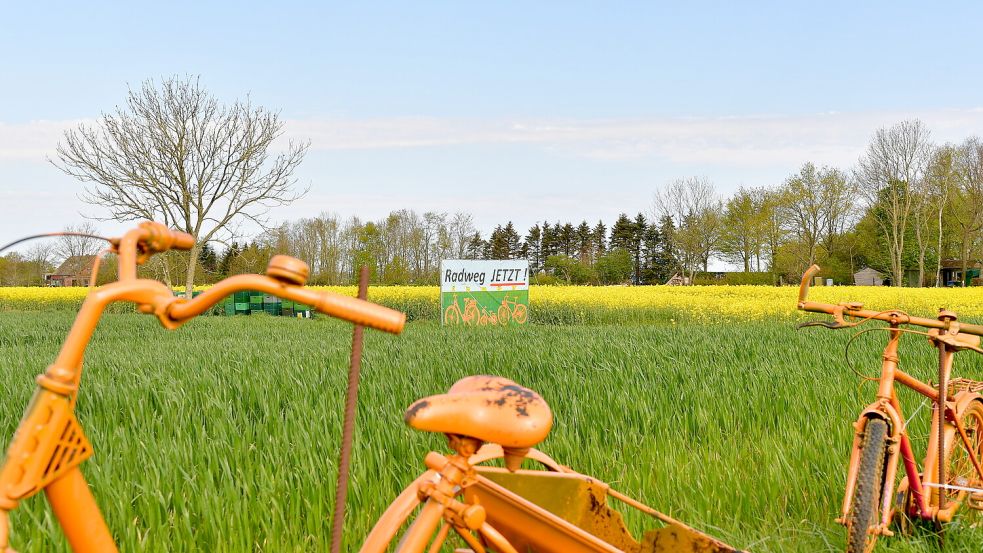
548, 244
230, 253
208, 260
533, 249
583, 243
498, 244
567, 239
476, 247
599, 239
513, 242
622, 233
664, 264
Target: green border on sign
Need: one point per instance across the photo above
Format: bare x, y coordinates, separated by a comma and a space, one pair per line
484, 307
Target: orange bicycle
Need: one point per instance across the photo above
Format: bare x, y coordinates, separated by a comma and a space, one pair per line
952, 460
453, 315
49, 444
487, 317
511, 309
507, 510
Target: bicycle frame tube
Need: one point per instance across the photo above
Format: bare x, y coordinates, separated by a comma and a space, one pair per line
77, 512
889, 366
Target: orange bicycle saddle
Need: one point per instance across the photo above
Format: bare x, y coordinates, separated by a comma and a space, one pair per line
490, 408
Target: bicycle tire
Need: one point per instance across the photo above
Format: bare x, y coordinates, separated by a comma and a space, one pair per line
471, 314
452, 315
870, 482
960, 470
387, 528
519, 314
503, 315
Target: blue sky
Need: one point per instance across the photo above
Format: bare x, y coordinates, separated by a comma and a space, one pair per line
559, 110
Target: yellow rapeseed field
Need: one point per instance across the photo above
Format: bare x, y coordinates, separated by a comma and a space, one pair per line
571, 304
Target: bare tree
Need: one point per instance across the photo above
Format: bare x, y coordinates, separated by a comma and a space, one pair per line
889, 173
461, 229
742, 237
968, 204
41, 257
817, 204
693, 206
76, 245
175, 154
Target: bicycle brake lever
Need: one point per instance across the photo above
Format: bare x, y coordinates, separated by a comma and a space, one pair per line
824, 324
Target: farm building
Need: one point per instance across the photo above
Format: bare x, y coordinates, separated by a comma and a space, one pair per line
74, 271
678, 280
868, 277
952, 272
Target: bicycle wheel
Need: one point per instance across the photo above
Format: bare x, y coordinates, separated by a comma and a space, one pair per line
519, 314
865, 510
471, 314
503, 315
961, 473
452, 316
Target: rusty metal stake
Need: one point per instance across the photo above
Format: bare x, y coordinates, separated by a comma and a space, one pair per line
347, 429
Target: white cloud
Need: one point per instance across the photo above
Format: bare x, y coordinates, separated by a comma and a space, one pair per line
834, 137
32, 140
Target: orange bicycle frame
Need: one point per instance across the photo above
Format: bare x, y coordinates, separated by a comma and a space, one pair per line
49, 444
949, 337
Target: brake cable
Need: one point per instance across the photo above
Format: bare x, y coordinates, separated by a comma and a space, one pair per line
53, 234
846, 349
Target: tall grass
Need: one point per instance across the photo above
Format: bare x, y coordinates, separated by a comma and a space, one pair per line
222, 436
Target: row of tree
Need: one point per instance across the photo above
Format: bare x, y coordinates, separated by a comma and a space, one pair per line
907, 208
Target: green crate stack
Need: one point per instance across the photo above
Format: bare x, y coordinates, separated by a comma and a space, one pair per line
248, 302
271, 305
240, 303
255, 303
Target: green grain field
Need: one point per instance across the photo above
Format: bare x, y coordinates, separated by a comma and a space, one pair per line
223, 435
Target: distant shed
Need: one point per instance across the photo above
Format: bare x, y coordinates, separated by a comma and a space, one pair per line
74, 271
868, 277
678, 280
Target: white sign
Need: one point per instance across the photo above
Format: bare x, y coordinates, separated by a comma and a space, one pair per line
479, 275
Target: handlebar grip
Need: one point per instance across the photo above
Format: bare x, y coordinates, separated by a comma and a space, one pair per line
807, 281
182, 240
361, 312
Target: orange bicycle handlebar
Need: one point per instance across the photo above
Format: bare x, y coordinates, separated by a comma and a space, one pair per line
336, 305
856, 310
182, 240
